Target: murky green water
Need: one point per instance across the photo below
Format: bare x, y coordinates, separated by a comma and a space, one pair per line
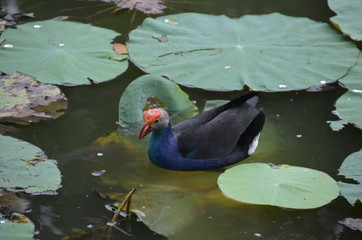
295, 133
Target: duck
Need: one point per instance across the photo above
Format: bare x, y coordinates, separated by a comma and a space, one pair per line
219, 137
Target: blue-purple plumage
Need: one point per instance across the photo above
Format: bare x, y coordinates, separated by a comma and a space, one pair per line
213, 139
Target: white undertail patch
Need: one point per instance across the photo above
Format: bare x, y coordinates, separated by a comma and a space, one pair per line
254, 144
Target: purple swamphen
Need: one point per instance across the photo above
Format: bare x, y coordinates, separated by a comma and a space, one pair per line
213, 139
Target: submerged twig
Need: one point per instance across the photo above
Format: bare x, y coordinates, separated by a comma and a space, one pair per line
127, 200
121, 205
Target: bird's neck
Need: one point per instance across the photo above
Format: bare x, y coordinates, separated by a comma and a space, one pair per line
162, 142
161, 135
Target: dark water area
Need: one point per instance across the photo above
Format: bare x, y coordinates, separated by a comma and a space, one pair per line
296, 133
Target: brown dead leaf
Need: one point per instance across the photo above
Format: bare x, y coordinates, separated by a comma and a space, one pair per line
352, 223
146, 6
13, 202
120, 48
23, 99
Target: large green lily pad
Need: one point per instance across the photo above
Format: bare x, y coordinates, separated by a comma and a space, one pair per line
25, 166
17, 227
165, 213
137, 94
349, 104
284, 185
351, 168
265, 52
348, 17
61, 52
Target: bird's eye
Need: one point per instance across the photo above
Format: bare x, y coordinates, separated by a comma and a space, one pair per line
156, 121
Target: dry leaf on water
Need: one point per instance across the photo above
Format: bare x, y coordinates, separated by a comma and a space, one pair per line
146, 6
120, 48
23, 99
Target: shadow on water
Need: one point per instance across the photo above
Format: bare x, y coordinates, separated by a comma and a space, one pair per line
296, 133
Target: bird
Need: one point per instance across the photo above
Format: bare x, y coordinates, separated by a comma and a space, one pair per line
221, 136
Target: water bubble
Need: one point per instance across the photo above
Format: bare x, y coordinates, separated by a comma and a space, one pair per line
2, 221
227, 67
89, 226
299, 135
111, 224
171, 21
323, 82
37, 26
257, 234
100, 154
139, 213
8, 45
61, 44
357, 91
281, 86
98, 173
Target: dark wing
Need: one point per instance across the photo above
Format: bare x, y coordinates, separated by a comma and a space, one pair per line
216, 132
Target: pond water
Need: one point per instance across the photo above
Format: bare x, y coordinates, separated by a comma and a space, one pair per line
296, 133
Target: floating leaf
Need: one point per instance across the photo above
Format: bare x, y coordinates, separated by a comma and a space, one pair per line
25, 166
348, 17
17, 227
120, 48
352, 168
146, 6
164, 212
349, 104
23, 99
136, 95
265, 52
60, 52
352, 223
337, 125
13, 202
284, 185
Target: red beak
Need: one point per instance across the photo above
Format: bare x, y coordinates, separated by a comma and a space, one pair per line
145, 130
150, 116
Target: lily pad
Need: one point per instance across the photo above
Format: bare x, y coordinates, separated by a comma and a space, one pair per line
348, 17
23, 99
136, 95
338, 124
164, 212
349, 104
25, 166
283, 186
265, 52
17, 227
351, 168
61, 52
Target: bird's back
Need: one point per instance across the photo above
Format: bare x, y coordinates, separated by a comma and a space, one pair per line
216, 133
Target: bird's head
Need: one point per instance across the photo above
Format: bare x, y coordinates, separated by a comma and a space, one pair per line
154, 119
